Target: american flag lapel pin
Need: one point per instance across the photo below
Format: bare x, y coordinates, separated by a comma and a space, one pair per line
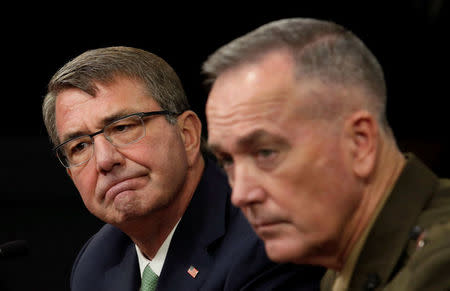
192, 271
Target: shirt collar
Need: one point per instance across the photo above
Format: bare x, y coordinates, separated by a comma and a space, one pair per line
343, 278
158, 261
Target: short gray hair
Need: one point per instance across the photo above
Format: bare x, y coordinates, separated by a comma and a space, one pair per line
320, 49
103, 66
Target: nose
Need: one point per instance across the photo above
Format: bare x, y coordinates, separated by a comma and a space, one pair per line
247, 188
106, 155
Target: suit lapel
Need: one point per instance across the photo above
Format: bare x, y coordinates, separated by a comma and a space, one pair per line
412, 191
126, 275
193, 242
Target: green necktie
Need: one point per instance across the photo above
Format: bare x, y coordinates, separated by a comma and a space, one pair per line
149, 280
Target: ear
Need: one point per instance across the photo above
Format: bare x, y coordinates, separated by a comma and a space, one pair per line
191, 130
363, 133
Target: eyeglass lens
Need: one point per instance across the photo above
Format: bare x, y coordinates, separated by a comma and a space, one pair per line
121, 132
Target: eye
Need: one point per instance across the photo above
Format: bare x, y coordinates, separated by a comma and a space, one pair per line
78, 147
265, 153
225, 161
121, 127
266, 158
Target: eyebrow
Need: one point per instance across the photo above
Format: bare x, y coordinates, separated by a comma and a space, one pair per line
257, 137
253, 140
108, 119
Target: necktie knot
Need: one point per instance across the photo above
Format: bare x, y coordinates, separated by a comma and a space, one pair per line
149, 280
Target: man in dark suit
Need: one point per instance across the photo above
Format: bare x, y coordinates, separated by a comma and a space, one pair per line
123, 129
296, 115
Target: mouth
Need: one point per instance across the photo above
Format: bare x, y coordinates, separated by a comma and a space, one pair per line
264, 225
123, 185
267, 229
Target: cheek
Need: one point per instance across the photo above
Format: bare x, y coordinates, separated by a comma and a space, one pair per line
165, 160
158, 155
309, 189
321, 206
86, 182
287, 248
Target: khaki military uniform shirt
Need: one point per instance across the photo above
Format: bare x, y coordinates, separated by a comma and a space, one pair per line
408, 246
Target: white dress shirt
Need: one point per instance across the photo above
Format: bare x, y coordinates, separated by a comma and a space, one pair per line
158, 261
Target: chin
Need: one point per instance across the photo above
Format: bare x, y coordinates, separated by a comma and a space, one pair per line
284, 252
122, 215
118, 218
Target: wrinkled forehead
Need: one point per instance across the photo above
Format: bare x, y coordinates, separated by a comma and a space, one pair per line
252, 86
278, 101
77, 110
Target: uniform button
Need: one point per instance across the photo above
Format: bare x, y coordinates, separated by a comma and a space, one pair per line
415, 232
373, 280
421, 240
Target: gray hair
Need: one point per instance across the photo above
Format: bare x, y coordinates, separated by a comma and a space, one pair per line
103, 66
320, 49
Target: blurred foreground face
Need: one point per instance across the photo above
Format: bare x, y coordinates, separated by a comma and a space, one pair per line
120, 184
290, 172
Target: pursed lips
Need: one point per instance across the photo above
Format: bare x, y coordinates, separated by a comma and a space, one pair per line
258, 217
264, 222
123, 184
268, 229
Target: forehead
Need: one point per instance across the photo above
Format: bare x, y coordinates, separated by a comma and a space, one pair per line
264, 96
252, 96
256, 82
76, 110
120, 90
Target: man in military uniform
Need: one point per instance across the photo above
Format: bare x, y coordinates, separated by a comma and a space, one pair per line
296, 115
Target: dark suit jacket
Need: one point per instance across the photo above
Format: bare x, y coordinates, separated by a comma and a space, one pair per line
213, 236
408, 247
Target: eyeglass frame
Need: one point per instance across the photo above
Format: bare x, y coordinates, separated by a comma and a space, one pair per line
141, 115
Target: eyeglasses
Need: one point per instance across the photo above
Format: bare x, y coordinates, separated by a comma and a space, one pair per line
127, 130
